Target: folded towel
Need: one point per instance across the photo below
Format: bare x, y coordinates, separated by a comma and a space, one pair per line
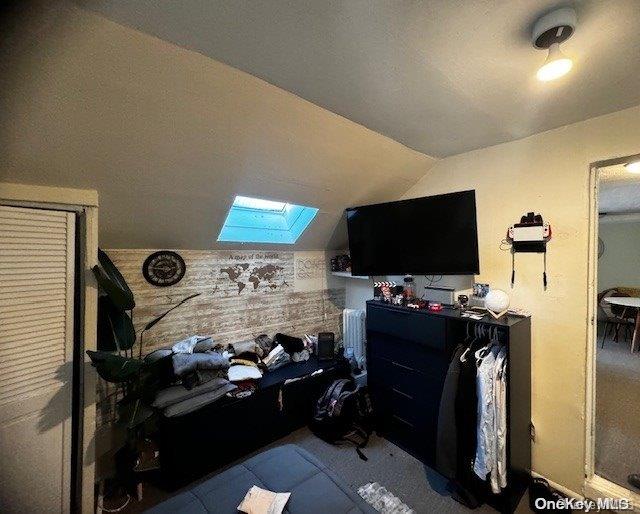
243, 362
177, 393
265, 343
202, 376
300, 356
184, 363
193, 344
243, 346
263, 501
238, 373
276, 358
197, 402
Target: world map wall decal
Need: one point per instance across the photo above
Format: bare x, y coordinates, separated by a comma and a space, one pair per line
240, 274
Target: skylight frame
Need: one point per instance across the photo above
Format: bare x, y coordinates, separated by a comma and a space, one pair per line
257, 220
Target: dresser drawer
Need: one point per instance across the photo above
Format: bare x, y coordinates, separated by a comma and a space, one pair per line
415, 439
405, 324
393, 401
419, 386
408, 355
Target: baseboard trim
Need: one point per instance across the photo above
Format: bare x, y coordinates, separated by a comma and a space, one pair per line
560, 488
598, 487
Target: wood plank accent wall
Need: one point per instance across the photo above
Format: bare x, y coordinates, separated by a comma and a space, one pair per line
289, 292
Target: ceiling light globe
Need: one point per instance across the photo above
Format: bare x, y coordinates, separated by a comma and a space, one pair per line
556, 65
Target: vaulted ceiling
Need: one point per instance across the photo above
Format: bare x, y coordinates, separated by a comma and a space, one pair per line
440, 76
326, 104
169, 137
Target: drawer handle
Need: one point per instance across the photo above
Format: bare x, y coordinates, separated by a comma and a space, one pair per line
401, 393
403, 420
402, 366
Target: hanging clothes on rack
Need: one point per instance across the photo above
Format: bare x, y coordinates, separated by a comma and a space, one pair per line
485, 361
447, 435
456, 434
472, 420
499, 468
490, 460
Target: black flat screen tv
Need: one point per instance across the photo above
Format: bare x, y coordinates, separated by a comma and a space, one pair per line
432, 235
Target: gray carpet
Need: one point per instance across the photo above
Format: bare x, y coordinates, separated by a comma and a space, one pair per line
617, 411
388, 465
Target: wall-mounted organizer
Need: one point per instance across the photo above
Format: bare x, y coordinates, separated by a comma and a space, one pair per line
531, 235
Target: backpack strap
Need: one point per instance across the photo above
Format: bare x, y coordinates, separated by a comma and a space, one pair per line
359, 445
337, 396
324, 399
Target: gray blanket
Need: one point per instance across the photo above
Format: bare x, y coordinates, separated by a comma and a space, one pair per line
184, 363
314, 488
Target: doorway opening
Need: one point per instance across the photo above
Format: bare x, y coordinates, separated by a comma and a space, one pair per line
613, 366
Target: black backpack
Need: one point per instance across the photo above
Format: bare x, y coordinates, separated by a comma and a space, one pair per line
343, 414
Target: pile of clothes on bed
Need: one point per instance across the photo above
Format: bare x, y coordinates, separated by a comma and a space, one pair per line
198, 372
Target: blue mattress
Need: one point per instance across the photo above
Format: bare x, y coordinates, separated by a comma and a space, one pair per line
314, 488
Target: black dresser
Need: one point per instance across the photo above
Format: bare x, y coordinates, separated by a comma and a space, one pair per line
408, 355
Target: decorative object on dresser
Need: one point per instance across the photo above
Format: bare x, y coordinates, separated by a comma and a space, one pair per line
408, 355
341, 263
443, 295
164, 268
326, 345
497, 303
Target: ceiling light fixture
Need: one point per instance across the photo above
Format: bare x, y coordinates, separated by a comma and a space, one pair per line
548, 32
556, 65
633, 166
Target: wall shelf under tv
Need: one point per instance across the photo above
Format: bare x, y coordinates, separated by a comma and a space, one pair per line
347, 274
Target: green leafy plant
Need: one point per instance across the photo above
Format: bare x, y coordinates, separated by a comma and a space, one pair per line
137, 381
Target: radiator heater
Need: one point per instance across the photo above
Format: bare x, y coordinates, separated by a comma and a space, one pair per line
354, 333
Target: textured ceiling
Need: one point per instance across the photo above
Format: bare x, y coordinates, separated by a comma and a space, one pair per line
440, 76
619, 190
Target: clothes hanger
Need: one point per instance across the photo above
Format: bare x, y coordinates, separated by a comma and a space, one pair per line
463, 357
484, 351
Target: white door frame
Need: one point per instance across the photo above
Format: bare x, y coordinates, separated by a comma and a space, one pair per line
84, 202
596, 486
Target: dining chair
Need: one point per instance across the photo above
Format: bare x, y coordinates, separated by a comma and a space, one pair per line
616, 316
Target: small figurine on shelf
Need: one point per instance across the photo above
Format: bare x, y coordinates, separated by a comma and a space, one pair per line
384, 291
341, 263
409, 290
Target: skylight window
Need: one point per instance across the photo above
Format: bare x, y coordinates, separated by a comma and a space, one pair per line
254, 220
258, 203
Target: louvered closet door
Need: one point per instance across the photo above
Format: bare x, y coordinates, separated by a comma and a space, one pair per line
36, 345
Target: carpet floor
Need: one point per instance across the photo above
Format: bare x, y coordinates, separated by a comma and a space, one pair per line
404, 476
617, 411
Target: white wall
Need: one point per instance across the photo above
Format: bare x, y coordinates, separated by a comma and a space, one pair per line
546, 173
620, 263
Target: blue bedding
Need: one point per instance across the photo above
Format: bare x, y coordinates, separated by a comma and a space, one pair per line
314, 487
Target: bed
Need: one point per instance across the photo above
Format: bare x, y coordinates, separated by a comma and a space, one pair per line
314, 487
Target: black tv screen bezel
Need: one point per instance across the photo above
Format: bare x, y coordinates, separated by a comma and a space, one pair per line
474, 271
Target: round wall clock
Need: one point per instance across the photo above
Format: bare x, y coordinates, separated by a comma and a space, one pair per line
163, 268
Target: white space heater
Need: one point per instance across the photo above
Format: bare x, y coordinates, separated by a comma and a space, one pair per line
354, 333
